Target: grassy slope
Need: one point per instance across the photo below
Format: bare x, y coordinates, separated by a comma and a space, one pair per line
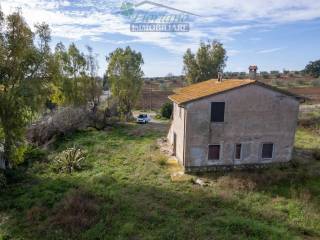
126, 193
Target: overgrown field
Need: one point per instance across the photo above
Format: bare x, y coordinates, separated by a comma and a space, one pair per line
125, 192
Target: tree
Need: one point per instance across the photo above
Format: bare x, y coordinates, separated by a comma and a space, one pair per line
24, 76
105, 82
125, 78
313, 68
76, 77
75, 65
190, 67
206, 63
94, 88
166, 110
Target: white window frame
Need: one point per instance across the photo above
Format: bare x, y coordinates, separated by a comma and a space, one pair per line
220, 149
273, 150
235, 151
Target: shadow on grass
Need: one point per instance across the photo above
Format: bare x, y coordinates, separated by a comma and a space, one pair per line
103, 208
126, 196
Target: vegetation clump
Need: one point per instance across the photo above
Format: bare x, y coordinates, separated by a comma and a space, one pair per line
206, 64
124, 75
76, 212
69, 160
313, 68
166, 110
316, 154
3, 181
34, 153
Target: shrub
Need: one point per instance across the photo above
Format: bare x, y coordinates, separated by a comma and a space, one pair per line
3, 181
69, 160
166, 110
62, 122
67, 120
34, 153
76, 212
160, 159
36, 214
316, 154
316, 83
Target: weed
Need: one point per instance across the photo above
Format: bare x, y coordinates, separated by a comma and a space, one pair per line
36, 214
3, 181
159, 158
76, 212
316, 154
236, 183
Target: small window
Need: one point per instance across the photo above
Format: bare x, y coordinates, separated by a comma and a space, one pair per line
217, 111
238, 151
214, 152
267, 150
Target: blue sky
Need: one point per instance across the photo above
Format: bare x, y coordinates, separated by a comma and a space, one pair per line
274, 34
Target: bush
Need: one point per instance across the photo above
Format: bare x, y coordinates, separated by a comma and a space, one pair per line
62, 122
316, 83
69, 160
34, 153
76, 212
316, 154
3, 181
67, 120
166, 110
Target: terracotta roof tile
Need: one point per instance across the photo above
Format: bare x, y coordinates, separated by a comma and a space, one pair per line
206, 88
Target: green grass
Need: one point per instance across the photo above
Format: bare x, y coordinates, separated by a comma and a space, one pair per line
125, 192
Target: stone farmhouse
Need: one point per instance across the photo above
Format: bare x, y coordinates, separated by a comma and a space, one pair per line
232, 123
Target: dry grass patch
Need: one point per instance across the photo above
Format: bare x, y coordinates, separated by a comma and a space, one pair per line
76, 212
36, 214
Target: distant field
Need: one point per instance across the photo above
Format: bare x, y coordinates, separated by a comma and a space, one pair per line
153, 99
312, 93
156, 91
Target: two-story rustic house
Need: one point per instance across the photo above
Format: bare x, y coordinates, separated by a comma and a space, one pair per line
232, 122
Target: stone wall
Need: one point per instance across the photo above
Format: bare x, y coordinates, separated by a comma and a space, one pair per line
177, 127
226, 168
253, 115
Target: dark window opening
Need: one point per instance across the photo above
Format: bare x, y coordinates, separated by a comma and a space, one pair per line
267, 150
217, 111
214, 152
238, 151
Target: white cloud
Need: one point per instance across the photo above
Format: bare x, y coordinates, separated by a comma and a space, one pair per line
223, 19
271, 50
258, 10
255, 39
233, 52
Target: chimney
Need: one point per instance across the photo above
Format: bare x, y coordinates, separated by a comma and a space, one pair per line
253, 72
220, 75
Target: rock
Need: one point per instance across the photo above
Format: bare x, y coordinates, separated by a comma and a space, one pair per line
199, 182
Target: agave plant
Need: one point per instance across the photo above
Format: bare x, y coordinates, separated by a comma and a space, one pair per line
70, 159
